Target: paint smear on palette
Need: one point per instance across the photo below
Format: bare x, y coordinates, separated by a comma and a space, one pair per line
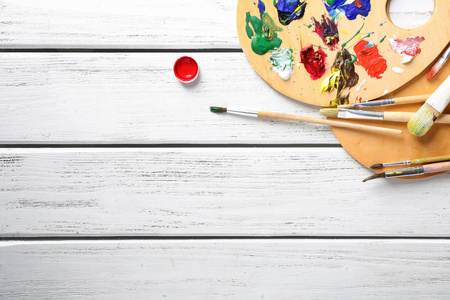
370, 58
342, 76
314, 61
282, 62
350, 8
408, 48
398, 70
328, 32
263, 35
359, 86
290, 10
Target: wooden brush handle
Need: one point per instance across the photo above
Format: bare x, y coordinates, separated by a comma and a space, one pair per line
438, 167
431, 159
406, 116
412, 99
281, 116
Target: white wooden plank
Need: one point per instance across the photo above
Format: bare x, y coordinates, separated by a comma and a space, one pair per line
226, 269
135, 98
201, 191
138, 23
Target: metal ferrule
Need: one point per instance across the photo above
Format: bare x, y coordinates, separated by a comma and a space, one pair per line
405, 172
251, 113
398, 163
375, 103
360, 114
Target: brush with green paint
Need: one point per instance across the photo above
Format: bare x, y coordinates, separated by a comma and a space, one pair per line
282, 116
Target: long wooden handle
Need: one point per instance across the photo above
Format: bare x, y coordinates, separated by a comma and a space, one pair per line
438, 167
406, 116
430, 159
412, 99
282, 116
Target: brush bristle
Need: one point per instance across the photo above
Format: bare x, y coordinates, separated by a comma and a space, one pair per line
329, 112
422, 120
376, 166
374, 176
216, 109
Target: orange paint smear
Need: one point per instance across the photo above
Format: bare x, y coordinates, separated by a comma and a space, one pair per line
370, 59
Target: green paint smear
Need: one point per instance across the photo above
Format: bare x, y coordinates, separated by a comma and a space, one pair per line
382, 40
345, 44
264, 36
330, 2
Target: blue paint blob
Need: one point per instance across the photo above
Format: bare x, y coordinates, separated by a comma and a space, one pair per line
261, 6
351, 11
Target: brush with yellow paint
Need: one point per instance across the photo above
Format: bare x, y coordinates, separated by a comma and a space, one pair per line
426, 116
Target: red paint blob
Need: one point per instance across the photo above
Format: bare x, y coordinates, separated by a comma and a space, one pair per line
314, 61
369, 57
186, 69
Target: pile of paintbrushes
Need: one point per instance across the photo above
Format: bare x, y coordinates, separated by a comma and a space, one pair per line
418, 123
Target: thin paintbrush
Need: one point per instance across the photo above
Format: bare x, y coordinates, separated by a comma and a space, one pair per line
281, 116
384, 102
413, 162
375, 115
425, 117
427, 169
438, 65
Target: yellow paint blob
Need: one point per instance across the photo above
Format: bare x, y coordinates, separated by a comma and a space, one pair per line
345, 31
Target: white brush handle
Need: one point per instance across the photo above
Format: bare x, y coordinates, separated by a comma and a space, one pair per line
441, 97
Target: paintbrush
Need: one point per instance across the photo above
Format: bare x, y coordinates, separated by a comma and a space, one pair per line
413, 162
282, 116
374, 115
438, 65
427, 169
425, 117
384, 102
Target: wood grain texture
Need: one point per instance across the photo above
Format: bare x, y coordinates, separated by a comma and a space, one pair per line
135, 98
201, 191
135, 23
235, 269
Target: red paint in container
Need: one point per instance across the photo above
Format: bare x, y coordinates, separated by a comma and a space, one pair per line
186, 69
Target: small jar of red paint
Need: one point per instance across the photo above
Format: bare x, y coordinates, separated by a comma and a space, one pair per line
186, 69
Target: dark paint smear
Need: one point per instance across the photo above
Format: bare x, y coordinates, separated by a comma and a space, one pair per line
348, 79
314, 61
370, 58
290, 10
328, 32
351, 11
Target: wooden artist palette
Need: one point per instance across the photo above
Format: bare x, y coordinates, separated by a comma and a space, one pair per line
301, 33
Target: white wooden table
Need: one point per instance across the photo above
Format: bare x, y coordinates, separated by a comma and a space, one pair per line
117, 182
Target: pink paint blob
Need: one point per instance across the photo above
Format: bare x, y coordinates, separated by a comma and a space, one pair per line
410, 46
186, 69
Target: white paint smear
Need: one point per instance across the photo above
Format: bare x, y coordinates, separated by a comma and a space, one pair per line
359, 87
398, 70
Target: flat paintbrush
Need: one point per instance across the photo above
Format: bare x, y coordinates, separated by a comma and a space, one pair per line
385, 102
375, 115
282, 116
425, 117
426, 169
413, 162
